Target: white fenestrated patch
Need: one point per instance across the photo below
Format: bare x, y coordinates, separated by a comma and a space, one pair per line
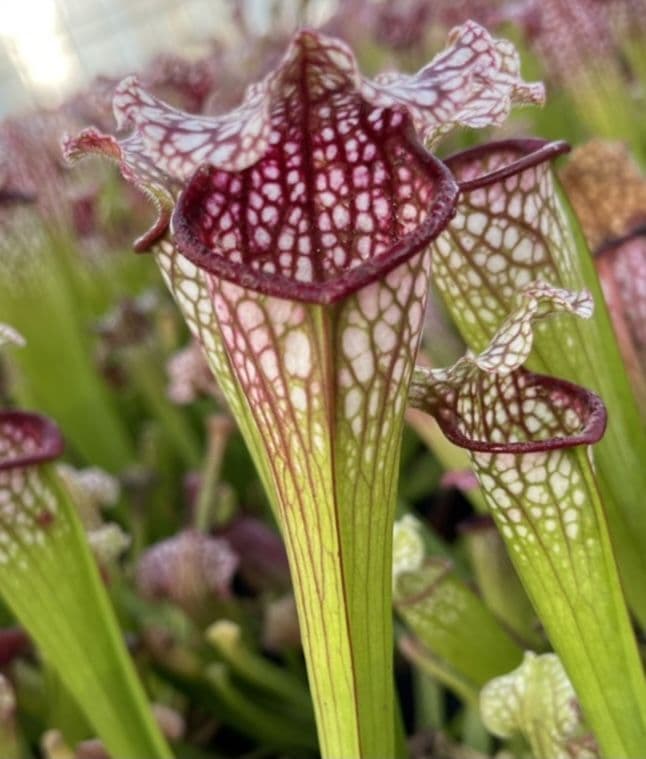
536, 701
28, 508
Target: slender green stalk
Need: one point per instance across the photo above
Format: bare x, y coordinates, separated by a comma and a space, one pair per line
473, 732
226, 637
429, 701
268, 727
219, 429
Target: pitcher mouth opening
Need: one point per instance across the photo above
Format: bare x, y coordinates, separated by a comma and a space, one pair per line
590, 410
328, 282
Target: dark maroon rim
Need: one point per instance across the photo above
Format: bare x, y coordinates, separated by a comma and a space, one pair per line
440, 214
591, 432
42, 430
145, 242
532, 152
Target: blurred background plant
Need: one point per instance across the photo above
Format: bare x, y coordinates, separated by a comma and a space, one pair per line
171, 505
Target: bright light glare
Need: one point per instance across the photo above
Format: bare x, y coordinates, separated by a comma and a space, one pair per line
29, 28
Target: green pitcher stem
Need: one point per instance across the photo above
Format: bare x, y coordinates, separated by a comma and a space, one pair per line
127, 721
319, 395
348, 655
348, 647
587, 622
226, 637
63, 604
